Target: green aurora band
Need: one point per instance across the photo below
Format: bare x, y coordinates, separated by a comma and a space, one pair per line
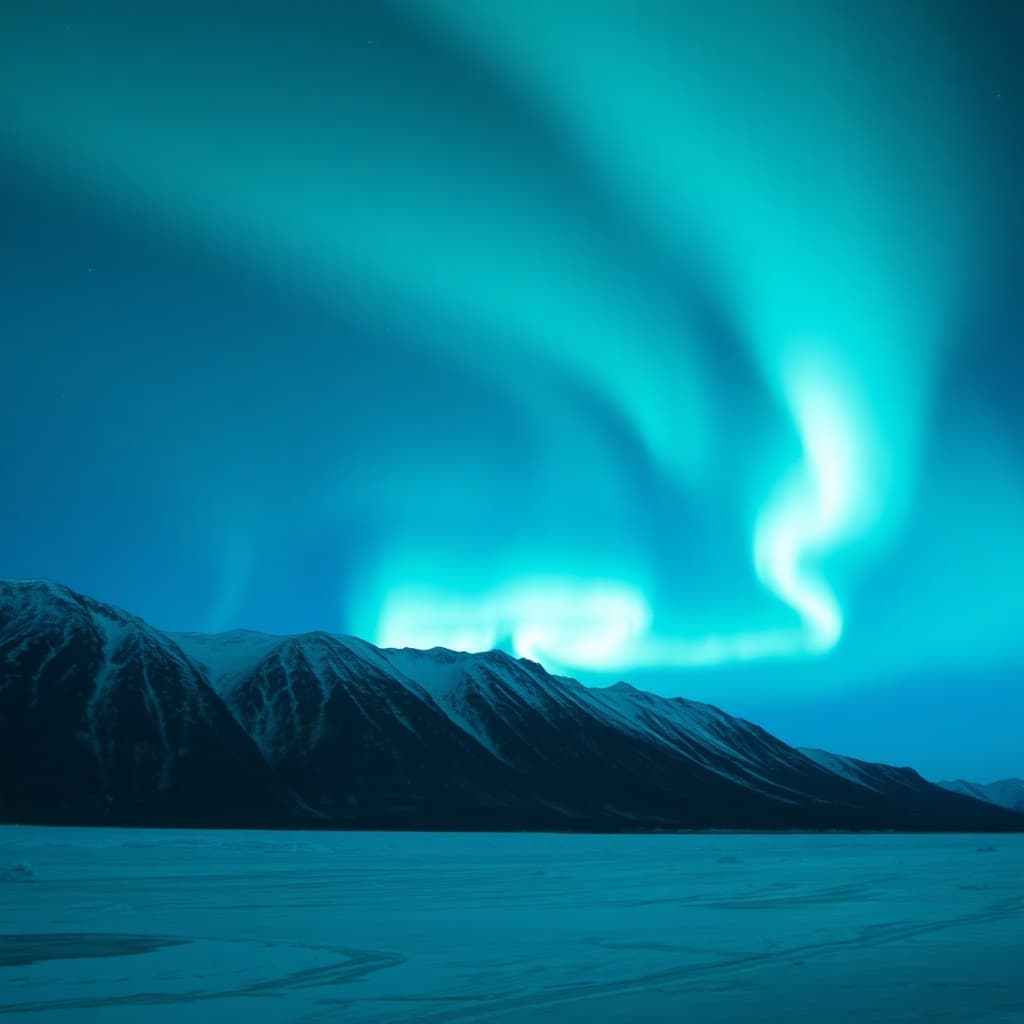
811, 158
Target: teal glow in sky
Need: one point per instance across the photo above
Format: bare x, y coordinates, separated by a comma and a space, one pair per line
676, 340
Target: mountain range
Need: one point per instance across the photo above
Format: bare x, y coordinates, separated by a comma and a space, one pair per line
107, 720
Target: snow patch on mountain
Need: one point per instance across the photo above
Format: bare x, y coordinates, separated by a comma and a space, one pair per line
1004, 793
444, 675
227, 658
112, 633
845, 767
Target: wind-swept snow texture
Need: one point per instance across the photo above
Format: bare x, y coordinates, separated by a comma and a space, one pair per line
121, 926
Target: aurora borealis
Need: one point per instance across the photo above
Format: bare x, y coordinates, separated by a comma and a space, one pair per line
676, 340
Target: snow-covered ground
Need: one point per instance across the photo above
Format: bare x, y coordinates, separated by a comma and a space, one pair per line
127, 926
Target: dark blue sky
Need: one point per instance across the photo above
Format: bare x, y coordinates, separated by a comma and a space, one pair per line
668, 341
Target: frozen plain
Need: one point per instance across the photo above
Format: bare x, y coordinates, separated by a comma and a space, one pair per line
126, 926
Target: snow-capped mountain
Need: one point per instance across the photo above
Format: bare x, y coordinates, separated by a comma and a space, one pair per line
1004, 793
105, 719
360, 740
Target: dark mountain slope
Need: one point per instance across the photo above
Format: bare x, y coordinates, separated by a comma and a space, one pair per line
105, 720
364, 744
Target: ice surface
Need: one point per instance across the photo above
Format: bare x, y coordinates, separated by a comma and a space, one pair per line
124, 926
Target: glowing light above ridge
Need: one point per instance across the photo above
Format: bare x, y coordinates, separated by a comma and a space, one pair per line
820, 504
628, 246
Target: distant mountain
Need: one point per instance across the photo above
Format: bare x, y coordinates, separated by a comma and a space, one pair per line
1004, 793
105, 720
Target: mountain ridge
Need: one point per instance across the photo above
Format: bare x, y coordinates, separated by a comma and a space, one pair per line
106, 720
1003, 792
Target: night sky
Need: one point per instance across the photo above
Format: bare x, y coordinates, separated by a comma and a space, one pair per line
679, 342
